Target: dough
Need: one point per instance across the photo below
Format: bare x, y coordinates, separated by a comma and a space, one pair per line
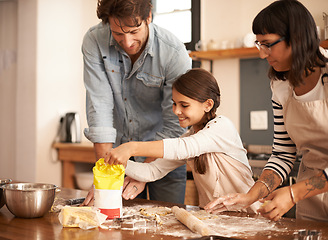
266, 202
203, 215
153, 211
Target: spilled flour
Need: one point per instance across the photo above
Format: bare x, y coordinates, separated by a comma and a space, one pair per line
222, 225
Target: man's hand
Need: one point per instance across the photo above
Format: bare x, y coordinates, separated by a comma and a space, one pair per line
89, 200
132, 188
102, 149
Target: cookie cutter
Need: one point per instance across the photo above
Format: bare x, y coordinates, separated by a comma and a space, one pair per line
134, 221
305, 234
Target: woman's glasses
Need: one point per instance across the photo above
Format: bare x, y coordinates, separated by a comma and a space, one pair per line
266, 48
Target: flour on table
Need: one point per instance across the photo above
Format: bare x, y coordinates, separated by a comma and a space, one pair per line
222, 225
203, 215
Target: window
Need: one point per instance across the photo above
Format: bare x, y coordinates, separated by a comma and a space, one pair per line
181, 17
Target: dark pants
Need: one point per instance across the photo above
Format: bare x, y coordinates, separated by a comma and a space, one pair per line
170, 188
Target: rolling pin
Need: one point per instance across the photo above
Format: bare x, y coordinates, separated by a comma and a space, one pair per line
192, 222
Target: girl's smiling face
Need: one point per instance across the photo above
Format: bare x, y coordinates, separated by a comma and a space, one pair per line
189, 111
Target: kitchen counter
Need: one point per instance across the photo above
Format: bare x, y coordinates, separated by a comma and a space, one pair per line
74, 153
48, 227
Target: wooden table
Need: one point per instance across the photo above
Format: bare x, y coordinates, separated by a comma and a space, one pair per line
48, 227
70, 154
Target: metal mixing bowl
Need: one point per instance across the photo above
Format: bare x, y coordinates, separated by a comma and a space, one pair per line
29, 200
2, 197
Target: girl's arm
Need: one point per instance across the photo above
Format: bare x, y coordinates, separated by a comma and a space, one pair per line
143, 172
219, 135
267, 182
149, 172
122, 153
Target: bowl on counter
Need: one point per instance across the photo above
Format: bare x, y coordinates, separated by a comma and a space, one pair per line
84, 180
3, 181
29, 200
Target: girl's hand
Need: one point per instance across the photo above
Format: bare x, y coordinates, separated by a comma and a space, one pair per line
119, 155
132, 188
230, 202
278, 203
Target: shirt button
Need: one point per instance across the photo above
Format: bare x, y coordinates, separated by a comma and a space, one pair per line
208, 126
124, 99
130, 120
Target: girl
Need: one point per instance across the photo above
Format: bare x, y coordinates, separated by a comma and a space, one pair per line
211, 147
287, 37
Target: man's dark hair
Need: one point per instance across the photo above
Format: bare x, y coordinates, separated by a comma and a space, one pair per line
124, 11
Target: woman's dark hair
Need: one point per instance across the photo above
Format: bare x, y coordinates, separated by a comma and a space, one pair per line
200, 85
124, 10
290, 19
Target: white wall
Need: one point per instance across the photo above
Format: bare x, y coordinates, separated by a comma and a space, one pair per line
8, 69
223, 20
26, 98
48, 81
60, 89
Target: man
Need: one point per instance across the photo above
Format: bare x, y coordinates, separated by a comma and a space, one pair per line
129, 67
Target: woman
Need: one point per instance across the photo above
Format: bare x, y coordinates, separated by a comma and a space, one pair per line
212, 146
287, 37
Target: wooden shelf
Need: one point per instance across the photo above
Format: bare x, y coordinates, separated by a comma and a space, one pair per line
232, 53
226, 53
324, 44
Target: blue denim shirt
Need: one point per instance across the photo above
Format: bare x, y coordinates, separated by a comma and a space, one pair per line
126, 102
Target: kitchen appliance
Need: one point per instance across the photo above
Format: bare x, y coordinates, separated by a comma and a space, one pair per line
70, 128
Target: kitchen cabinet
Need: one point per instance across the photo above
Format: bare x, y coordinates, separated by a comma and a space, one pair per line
70, 154
73, 153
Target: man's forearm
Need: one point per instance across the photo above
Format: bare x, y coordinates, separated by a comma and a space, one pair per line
101, 149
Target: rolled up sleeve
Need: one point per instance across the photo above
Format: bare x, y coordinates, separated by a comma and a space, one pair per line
99, 95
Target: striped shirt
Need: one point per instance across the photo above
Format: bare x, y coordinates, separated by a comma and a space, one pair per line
284, 149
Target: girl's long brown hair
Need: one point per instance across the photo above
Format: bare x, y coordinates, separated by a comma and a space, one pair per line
200, 85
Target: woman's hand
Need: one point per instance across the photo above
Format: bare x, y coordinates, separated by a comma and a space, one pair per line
119, 155
230, 202
132, 188
89, 200
278, 203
